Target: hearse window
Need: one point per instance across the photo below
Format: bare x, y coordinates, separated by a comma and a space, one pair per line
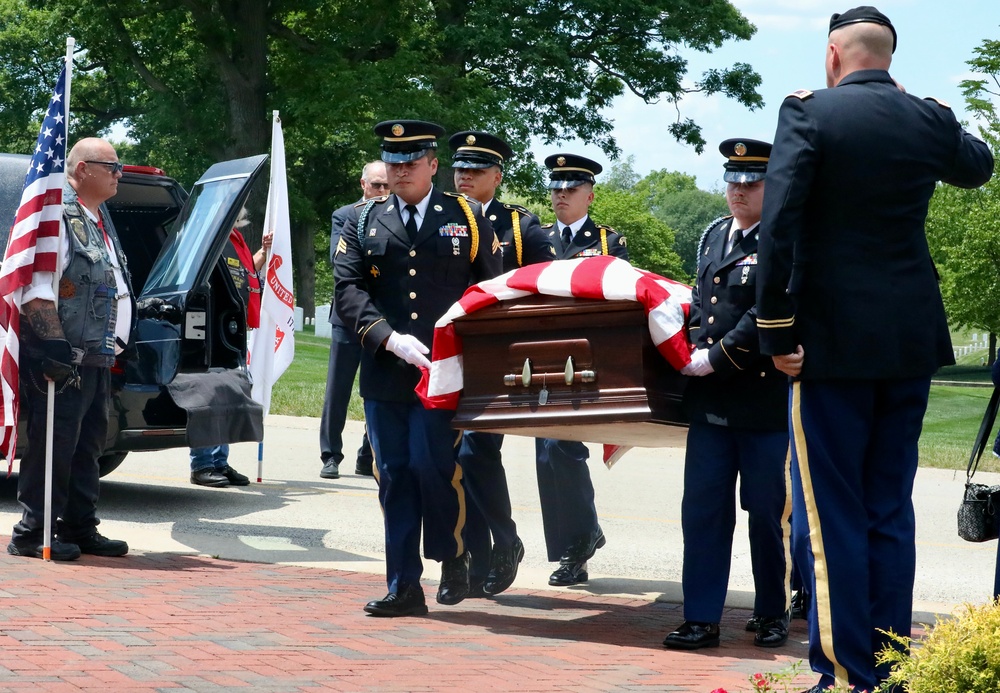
178, 264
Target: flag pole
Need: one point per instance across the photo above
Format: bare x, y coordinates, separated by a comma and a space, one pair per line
50, 408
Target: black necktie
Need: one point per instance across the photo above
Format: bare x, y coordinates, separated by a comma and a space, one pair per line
567, 236
411, 223
736, 235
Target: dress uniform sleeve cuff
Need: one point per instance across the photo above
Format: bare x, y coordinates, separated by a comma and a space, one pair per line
777, 341
376, 333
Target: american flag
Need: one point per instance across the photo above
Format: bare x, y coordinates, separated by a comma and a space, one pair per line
33, 246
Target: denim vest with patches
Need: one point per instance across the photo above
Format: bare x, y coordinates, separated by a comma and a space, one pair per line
88, 304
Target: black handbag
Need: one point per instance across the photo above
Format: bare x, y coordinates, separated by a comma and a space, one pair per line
978, 518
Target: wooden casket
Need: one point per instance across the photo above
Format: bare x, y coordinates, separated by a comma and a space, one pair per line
571, 369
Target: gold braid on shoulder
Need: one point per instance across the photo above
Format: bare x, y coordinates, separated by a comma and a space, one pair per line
473, 227
518, 243
604, 242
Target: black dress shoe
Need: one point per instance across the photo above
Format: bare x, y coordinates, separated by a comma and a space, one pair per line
330, 470
234, 477
693, 635
409, 601
583, 548
58, 551
569, 574
364, 467
503, 567
753, 623
772, 632
454, 585
209, 477
800, 604
99, 545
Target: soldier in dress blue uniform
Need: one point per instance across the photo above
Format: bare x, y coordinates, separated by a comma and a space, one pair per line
848, 304
345, 349
737, 403
478, 161
398, 267
569, 516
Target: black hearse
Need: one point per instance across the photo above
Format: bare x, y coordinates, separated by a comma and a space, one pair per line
183, 381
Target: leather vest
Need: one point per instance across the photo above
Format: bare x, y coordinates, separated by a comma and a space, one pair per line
88, 293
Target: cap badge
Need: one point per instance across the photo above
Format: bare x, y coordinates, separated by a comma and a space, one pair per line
561, 161
397, 130
470, 140
740, 149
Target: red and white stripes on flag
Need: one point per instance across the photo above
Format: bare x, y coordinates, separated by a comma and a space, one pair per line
666, 302
33, 246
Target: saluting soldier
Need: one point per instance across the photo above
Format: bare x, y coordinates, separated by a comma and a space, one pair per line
400, 264
478, 160
849, 305
566, 492
737, 403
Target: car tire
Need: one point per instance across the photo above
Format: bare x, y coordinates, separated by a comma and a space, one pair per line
110, 462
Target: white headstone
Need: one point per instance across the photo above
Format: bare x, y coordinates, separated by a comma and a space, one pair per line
299, 319
323, 326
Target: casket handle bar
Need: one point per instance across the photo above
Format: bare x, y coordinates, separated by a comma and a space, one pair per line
569, 375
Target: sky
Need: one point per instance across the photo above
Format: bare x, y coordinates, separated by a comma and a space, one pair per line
935, 40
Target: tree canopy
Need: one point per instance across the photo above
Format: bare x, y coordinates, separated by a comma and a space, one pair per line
194, 81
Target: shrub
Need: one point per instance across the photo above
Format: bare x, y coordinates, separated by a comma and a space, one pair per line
958, 655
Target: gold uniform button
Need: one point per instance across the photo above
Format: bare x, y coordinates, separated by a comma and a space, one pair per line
413, 253
763, 374
710, 340
413, 272
413, 316
711, 319
716, 280
413, 294
715, 299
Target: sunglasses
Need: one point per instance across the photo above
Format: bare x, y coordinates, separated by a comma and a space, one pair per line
116, 166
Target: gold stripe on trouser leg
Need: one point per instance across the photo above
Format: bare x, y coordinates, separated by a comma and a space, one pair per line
456, 483
824, 620
786, 527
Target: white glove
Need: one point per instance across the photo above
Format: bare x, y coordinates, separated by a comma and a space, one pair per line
700, 365
408, 348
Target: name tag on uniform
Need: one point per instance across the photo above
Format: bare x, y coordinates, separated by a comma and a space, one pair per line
454, 230
748, 260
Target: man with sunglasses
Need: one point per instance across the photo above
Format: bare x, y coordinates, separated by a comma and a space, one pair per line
345, 349
73, 344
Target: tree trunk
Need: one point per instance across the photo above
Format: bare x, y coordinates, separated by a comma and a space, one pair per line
993, 348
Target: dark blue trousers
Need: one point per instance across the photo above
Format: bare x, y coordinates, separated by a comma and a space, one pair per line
489, 512
419, 486
79, 434
715, 456
566, 493
854, 458
345, 357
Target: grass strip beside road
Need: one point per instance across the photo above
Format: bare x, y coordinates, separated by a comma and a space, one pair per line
953, 414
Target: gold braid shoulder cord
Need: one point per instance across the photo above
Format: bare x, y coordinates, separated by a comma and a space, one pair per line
518, 242
473, 227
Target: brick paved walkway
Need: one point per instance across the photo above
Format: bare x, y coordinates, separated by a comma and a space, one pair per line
171, 622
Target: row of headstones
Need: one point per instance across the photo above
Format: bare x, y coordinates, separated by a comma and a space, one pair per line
978, 343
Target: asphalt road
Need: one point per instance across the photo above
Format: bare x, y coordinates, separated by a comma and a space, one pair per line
294, 517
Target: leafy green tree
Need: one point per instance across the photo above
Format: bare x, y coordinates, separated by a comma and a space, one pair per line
675, 199
194, 81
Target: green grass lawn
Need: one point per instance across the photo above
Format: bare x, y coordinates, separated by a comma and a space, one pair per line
953, 414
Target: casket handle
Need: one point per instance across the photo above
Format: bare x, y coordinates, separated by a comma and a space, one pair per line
569, 374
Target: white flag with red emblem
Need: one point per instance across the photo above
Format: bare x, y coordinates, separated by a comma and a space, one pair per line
272, 346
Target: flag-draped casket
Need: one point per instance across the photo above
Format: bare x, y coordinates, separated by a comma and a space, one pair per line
585, 349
